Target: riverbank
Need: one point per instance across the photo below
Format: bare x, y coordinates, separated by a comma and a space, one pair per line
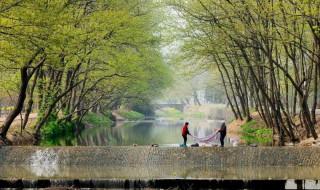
18, 137
15, 136
235, 131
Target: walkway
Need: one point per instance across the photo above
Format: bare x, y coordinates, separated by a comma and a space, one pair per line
31, 116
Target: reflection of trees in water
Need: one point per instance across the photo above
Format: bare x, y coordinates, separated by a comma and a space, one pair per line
93, 136
202, 129
144, 133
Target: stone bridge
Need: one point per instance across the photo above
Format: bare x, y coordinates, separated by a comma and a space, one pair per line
179, 107
160, 167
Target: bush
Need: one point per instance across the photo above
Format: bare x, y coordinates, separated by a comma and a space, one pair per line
130, 115
250, 128
55, 127
198, 115
256, 134
172, 111
97, 119
109, 115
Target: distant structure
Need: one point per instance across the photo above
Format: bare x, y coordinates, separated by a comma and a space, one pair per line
179, 107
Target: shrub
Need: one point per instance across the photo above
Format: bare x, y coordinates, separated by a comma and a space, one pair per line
130, 115
55, 127
96, 119
255, 134
109, 115
198, 115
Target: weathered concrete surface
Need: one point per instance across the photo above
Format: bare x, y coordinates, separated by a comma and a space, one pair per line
160, 167
170, 156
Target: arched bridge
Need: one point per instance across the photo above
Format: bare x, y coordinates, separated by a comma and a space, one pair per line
179, 107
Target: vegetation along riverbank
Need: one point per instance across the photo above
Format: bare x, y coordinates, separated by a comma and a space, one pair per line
73, 63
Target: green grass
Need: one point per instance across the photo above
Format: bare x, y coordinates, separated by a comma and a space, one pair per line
174, 114
198, 115
131, 115
252, 133
96, 119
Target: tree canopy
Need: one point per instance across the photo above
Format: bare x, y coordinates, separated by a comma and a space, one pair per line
68, 57
267, 54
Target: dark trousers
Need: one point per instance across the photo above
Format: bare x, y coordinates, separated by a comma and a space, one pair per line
222, 135
184, 139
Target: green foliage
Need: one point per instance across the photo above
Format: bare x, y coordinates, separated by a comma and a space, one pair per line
8, 108
55, 127
198, 115
97, 119
172, 111
110, 47
248, 44
68, 139
174, 114
130, 115
108, 114
141, 106
252, 133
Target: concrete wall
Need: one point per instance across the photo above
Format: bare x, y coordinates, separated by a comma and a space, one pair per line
152, 156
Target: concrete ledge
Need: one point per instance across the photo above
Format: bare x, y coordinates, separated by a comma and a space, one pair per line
160, 167
170, 156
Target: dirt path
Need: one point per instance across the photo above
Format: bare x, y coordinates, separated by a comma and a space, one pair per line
17, 136
117, 116
31, 116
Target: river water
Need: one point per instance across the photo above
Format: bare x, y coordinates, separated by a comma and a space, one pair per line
141, 133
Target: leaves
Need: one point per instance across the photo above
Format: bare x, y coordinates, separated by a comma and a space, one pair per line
97, 52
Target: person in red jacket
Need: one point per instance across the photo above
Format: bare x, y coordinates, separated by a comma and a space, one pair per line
185, 132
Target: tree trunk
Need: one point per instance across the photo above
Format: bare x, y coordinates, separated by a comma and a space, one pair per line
48, 111
237, 109
226, 91
30, 102
19, 104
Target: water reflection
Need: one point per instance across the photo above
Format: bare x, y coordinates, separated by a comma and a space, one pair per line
164, 133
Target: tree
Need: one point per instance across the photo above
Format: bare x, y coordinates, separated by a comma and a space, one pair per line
83, 54
263, 52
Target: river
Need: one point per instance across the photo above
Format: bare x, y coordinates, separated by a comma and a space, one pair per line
144, 133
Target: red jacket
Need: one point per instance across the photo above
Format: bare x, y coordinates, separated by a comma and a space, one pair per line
185, 130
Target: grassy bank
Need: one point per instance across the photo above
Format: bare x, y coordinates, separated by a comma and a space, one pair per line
173, 114
130, 115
